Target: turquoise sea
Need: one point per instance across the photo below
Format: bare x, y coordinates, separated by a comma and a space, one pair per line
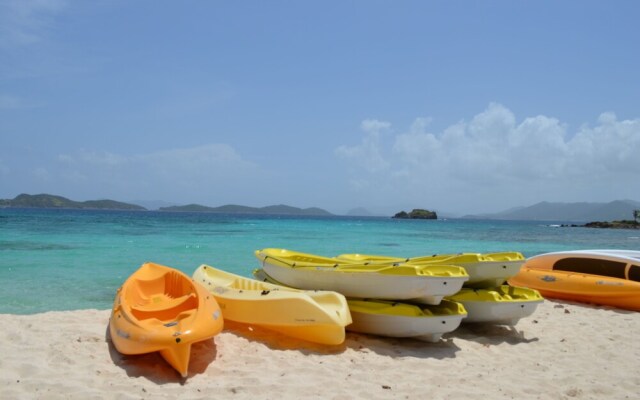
76, 259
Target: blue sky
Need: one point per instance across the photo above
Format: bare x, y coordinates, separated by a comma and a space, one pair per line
462, 107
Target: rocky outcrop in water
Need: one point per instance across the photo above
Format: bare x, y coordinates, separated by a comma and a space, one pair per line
417, 213
613, 225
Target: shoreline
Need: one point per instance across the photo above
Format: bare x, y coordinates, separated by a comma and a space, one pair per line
564, 350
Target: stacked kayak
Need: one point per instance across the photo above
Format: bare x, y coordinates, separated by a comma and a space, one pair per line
606, 277
485, 270
483, 295
500, 305
396, 319
316, 316
161, 309
427, 284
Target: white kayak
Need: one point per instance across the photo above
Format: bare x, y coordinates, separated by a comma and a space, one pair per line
398, 319
427, 284
502, 305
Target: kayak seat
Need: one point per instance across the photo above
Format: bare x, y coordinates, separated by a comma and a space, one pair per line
162, 297
163, 302
507, 292
165, 308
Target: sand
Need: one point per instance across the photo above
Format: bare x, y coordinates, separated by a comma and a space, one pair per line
563, 351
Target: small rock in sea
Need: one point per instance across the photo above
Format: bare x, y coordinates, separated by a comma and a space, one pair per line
535, 321
386, 387
558, 306
567, 312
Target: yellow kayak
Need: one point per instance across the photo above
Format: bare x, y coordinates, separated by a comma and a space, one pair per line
424, 284
161, 309
485, 270
504, 305
316, 316
397, 319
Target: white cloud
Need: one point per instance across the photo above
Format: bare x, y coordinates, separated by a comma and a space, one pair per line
374, 127
191, 171
492, 125
367, 154
494, 150
416, 142
23, 22
93, 158
611, 147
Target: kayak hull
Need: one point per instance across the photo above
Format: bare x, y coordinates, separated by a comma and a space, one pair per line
161, 309
315, 316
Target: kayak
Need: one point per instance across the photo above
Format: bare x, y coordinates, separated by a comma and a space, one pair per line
398, 319
502, 305
315, 316
405, 320
161, 309
426, 284
485, 270
604, 277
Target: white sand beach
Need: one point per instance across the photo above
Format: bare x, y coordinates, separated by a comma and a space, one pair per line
564, 351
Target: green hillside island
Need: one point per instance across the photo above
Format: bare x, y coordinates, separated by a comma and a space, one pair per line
51, 201
624, 224
236, 209
417, 213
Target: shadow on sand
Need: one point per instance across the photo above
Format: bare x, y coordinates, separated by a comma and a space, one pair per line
402, 347
153, 367
392, 347
489, 335
277, 341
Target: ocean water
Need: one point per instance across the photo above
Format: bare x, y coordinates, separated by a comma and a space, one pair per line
76, 259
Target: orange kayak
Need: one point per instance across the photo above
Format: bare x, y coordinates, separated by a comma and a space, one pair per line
606, 277
161, 309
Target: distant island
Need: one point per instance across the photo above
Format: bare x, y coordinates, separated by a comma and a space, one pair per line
617, 211
236, 209
579, 212
52, 201
624, 224
605, 225
416, 213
